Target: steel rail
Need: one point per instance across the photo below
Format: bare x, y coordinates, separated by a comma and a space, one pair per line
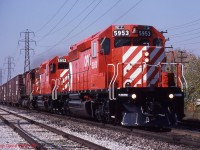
64, 134
29, 139
170, 135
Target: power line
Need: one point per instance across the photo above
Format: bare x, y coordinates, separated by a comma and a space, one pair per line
92, 23
95, 20
81, 21
185, 24
184, 35
191, 43
184, 32
60, 8
127, 11
59, 21
188, 39
72, 20
104, 15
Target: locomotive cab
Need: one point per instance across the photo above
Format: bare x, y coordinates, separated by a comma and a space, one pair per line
144, 92
140, 90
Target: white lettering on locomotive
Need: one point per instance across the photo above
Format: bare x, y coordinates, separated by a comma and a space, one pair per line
122, 95
60, 60
94, 65
121, 33
87, 60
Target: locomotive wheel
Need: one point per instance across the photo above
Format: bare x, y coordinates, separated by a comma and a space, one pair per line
99, 113
107, 118
52, 108
30, 106
66, 109
46, 106
102, 114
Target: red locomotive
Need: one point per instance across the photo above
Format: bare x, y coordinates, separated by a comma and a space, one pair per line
119, 75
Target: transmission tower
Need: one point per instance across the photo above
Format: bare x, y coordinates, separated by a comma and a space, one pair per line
1, 76
9, 63
27, 48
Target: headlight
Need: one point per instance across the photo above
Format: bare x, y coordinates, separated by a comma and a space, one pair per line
128, 84
134, 30
134, 96
171, 96
146, 60
146, 54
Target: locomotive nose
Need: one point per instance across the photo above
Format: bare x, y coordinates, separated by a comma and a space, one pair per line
152, 108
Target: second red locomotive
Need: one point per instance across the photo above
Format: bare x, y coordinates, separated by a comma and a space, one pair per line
119, 75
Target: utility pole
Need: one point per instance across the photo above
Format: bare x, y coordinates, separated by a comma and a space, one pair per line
27, 48
182, 57
9, 68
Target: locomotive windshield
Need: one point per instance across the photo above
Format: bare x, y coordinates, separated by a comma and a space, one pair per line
122, 42
63, 65
128, 41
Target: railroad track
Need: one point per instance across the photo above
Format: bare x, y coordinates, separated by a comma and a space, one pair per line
51, 138
190, 124
173, 136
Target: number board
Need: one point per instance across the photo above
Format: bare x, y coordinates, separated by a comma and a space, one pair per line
145, 33
62, 60
121, 33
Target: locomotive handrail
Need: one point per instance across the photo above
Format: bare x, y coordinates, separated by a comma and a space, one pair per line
52, 93
180, 82
186, 85
116, 78
158, 65
111, 86
182, 71
31, 95
55, 95
115, 75
57, 86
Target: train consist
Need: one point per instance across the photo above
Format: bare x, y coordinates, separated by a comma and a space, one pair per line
119, 75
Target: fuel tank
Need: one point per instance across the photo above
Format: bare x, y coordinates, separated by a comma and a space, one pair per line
79, 107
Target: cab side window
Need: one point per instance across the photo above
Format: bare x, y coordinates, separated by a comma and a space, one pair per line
52, 68
105, 45
94, 49
157, 42
141, 42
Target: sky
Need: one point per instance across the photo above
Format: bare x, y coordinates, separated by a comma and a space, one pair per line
57, 24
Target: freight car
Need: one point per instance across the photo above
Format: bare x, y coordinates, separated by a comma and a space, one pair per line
119, 75
12, 91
